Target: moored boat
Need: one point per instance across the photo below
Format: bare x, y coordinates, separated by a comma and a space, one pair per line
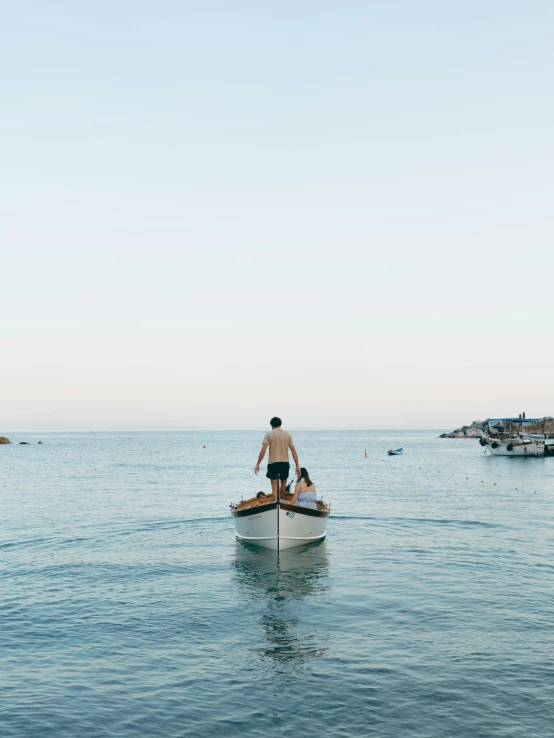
523, 437
277, 525
392, 452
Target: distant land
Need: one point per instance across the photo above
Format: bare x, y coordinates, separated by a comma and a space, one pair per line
475, 430
477, 427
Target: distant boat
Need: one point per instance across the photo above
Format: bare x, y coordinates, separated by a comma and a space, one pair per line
519, 437
398, 451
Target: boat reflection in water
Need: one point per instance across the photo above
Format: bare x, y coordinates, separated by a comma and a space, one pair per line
280, 587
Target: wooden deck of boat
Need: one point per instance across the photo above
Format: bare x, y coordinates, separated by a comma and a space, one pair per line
268, 500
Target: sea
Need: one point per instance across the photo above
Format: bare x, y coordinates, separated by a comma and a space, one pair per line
128, 608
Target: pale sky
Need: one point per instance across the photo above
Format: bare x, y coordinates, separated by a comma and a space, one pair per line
337, 212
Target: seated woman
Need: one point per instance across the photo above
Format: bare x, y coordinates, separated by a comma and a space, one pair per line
304, 494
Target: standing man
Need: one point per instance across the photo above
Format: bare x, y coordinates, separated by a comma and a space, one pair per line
279, 442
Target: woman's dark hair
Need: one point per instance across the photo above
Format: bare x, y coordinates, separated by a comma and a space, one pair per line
275, 422
304, 475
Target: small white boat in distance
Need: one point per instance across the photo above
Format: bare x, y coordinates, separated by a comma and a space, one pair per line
278, 525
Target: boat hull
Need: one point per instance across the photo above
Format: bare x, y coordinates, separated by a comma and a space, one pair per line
535, 448
297, 525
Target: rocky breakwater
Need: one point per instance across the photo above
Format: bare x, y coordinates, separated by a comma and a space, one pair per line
4, 440
475, 430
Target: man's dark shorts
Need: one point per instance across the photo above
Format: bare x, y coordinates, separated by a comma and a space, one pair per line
278, 469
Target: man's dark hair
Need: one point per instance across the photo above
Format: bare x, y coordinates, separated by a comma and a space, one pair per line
275, 422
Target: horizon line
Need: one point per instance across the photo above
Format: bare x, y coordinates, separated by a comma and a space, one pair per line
212, 429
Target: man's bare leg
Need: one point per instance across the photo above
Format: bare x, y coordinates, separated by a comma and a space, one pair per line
274, 489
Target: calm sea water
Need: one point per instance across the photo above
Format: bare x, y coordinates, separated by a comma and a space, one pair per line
128, 609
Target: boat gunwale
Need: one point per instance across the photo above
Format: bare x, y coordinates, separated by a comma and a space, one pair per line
245, 512
305, 510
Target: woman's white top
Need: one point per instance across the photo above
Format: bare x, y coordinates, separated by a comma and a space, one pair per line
305, 498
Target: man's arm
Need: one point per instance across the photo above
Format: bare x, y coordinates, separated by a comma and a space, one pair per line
295, 457
260, 457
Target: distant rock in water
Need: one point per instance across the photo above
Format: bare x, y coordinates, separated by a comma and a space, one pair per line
23, 443
475, 430
4, 440
40, 442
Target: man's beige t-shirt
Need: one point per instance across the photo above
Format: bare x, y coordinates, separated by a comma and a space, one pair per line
279, 443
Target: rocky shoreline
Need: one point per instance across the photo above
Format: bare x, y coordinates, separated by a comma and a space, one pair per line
475, 430
4, 441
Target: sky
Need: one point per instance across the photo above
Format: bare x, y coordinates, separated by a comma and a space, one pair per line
337, 212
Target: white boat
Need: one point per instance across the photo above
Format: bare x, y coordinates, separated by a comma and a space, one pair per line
278, 525
518, 437
519, 446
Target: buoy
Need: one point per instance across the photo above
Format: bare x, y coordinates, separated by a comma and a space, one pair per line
365, 453
203, 447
